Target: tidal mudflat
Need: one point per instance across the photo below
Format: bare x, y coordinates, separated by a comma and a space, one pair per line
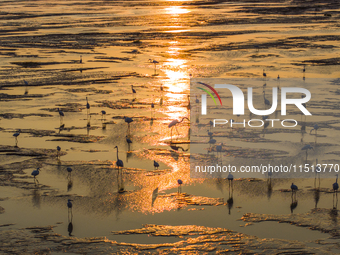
66, 73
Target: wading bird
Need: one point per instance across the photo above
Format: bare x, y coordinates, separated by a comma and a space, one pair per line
69, 170
174, 123
16, 137
264, 74
61, 115
119, 162
294, 189
179, 181
231, 181
306, 148
69, 204
87, 107
128, 121
155, 62
315, 128
155, 164
133, 90
58, 151
103, 114
35, 173
128, 140
336, 185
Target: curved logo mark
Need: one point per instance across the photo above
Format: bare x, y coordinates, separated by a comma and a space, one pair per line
209, 92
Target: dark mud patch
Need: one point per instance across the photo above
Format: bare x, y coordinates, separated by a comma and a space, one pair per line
324, 220
26, 96
12, 150
324, 62
21, 116
91, 89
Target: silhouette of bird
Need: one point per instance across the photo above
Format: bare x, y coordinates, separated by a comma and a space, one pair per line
128, 121
197, 100
264, 74
133, 90
230, 181
293, 187
278, 77
69, 170
119, 162
35, 173
304, 69
128, 140
179, 181
155, 164
212, 141
155, 62
174, 123
69, 203
61, 115
81, 59
316, 127
58, 151
87, 104
306, 148
335, 184
16, 136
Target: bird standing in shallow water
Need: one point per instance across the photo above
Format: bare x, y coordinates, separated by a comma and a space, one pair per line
230, 180
128, 121
306, 148
315, 128
58, 151
336, 185
35, 173
179, 181
69, 170
61, 115
173, 124
155, 62
119, 162
16, 137
155, 164
133, 91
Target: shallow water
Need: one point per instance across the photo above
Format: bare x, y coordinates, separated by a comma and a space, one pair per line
43, 42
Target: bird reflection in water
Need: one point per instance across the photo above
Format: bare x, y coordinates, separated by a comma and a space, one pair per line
69, 178
154, 196
317, 176
294, 203
269, 184
36, 198
120, 182
335, 194
70, 217
230, 200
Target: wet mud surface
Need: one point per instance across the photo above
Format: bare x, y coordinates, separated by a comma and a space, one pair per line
57, 56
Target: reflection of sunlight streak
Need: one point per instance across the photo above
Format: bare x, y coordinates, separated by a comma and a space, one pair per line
176, 10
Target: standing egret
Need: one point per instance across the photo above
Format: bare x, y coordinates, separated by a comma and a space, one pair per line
155, 164
212, 141
16, 137
35, 173
61, 115
103, 114
133, 90
69, 170
294, 188
306, 148
58, 151
26, 88
128, 121
69, 204
197, 101
87, 107
335, 184
155, 62
119, 162
316, 127
174, 123
128, 140
179, 181
231, 181
219, 149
